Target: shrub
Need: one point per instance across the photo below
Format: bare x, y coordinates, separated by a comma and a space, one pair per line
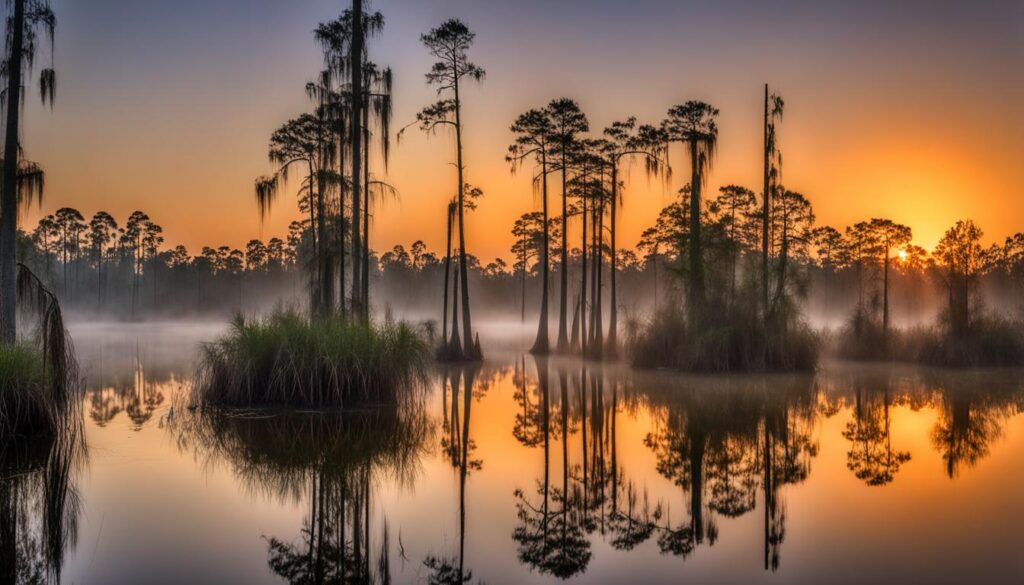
733, 343
990, 342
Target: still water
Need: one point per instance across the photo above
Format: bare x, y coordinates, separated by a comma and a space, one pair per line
527, 471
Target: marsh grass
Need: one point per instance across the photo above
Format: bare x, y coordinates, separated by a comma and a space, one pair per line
288, 360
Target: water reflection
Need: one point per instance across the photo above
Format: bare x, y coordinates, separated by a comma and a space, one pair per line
537, 470
721, 439
551, 535
332, 462
458, 446
729, 444
138, 393
39, 505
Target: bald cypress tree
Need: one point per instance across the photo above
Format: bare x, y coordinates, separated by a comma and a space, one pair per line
27, 20
695, 125
449, 44
568, 121
533, 131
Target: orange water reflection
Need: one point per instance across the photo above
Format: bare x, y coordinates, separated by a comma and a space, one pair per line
524, 470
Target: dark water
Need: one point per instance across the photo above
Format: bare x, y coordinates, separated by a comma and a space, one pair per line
521, 471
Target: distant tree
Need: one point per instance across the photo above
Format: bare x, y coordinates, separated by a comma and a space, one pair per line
531, 234
890, 236
255, 256
959, 261
69, 222
828, 247
102, 230
862, 248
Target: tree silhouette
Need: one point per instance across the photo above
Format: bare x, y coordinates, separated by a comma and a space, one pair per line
792, 222
694, 123
773, 110
567, 121
891, 236
306, 141
622, 140
871, 457
102, 229
28, 20
449, 43
830, 248
534, 132
960, 261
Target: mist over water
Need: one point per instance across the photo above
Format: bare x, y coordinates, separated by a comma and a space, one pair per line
549, 470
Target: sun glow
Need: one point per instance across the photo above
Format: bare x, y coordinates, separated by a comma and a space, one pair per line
902, 254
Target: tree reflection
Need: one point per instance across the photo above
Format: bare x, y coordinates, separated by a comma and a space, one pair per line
39, 505
720, 440
331, 460
551, 535
972, 408
871, 457
458, 445
138, 394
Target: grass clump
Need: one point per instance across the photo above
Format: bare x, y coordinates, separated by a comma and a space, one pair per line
26, 406
287, 359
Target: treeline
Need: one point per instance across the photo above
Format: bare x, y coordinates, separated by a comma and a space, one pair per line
103, 268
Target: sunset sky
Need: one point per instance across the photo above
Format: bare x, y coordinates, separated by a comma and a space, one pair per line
912, 110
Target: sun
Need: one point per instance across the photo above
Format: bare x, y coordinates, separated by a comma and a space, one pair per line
902, 255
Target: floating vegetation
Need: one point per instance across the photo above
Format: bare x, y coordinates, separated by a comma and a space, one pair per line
289, 360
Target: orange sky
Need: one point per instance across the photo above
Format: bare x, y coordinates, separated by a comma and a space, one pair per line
914, 112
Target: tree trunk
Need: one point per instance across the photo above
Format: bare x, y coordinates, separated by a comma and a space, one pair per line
598, 296
470, 351
364, 293
355, 62
696, 261
447, 273
563, 299
766, 195
455, 344
542, 345
584, 331
314, 285
340, 241
885, 297
612, 347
